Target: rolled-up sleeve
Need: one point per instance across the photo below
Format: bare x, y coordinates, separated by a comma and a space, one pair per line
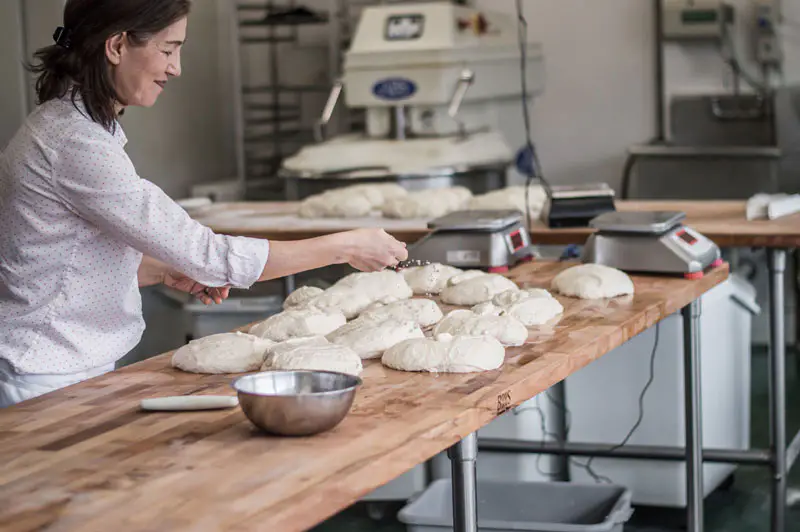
97, 180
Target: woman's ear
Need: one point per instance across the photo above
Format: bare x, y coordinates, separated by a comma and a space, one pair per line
114, 46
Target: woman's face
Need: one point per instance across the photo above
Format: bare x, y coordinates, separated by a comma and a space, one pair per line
140, 73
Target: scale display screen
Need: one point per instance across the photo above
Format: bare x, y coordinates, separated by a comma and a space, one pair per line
516, 240
686, 237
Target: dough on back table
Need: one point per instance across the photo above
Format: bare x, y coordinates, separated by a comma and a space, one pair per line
429, 203
353, 201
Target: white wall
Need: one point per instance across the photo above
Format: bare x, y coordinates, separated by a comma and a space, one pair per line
600, 92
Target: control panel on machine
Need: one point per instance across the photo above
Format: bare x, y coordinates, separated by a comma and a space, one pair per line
655, 242
490, 240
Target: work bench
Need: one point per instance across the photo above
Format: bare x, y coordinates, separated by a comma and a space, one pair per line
724, 222
86, 458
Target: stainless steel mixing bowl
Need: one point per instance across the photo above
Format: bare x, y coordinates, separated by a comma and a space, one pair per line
296, 403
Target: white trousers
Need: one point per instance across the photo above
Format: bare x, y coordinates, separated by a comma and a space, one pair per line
16, 387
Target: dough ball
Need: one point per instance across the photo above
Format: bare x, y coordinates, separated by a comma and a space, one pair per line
505, 329
352, 294
355, 201
477, 290
511, 198
533, 306
297, 323
314, 356
371, 338
430, 279
465, 276
301, 296
428, 203
446, 354
592, 281
423, 312
329, 205
222, 353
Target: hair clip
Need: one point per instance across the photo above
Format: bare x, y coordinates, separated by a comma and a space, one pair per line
63, 37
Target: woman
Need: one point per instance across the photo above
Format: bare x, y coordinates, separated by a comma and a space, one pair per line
82, 231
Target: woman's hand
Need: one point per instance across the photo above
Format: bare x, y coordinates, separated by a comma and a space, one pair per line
207, 295
373, 249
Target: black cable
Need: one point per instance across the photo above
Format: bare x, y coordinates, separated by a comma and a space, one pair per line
536, 173
641, 400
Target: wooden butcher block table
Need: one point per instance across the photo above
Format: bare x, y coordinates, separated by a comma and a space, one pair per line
86, 458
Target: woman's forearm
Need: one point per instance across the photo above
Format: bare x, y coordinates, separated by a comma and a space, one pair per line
291, 257
151, 271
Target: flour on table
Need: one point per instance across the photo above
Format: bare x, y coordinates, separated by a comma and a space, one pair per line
511, 198
371, 338
430, 203
592, 281
423, 312
505, 329
354, 201
313, 356
352, 294
446, 354
533, 306
429, 279
222, 353
477, 290
297, 323
301, 296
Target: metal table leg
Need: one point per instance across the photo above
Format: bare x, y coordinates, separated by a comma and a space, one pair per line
694, 434
777, 386
463, 456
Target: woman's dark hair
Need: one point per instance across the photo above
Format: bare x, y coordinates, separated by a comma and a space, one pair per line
78, 62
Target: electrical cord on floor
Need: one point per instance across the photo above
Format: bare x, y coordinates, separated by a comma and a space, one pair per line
587, 466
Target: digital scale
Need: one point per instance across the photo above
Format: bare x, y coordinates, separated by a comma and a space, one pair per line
650, 242
489, 240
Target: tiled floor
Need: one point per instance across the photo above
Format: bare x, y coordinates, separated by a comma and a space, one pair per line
742, 508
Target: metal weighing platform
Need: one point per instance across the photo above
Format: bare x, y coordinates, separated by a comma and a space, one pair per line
490, 240
650, 242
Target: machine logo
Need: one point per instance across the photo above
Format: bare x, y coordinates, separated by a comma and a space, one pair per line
394, 88
404, 27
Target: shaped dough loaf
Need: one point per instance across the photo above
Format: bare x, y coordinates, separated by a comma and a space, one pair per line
352, 294
512, 198
505, 329
430, 279
297, 323
222, 353
371, 338
446, 354
428, 203
301, 296
423, 312
354, 201
533, 306
312, 354
592, 281
477, 289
